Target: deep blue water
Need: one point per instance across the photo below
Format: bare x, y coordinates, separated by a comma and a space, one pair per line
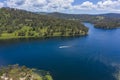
93, 57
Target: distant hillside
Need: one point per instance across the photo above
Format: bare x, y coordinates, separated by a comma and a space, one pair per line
41, 13
106, 21
112, 15
16, 23
80, 16
69, 16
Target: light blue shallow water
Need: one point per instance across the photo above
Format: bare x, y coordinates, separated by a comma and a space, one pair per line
93, 57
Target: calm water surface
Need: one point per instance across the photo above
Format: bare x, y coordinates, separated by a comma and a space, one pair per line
93, 57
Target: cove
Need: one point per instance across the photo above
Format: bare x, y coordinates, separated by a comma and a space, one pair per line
93, 57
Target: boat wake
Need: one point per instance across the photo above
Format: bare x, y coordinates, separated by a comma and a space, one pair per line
64, 47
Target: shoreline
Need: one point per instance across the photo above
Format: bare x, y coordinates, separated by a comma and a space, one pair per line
30, 37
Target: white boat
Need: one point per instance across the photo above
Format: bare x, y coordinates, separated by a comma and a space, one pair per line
64, 46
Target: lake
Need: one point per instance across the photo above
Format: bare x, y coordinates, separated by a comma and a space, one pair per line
93, 57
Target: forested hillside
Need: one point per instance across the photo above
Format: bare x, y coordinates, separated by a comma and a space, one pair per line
105, 21
16, 23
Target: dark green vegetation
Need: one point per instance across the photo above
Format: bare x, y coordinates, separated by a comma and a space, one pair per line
16, 23
15, 72
105, 21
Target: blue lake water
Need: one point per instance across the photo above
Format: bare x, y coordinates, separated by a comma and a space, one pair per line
93, 57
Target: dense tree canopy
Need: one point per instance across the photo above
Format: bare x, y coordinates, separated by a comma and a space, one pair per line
16, 72
16, 23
